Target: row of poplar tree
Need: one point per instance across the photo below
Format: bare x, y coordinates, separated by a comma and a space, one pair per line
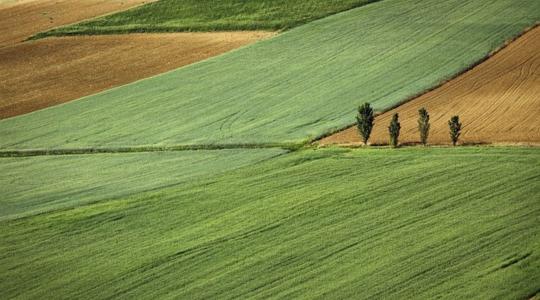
365, 121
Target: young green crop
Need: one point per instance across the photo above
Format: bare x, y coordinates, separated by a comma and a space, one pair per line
210, 15
295, 87
445, 223
38, 184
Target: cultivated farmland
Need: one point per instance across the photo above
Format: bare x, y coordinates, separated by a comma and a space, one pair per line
332, 223
51, 71
209, 15
498, 102
201, 183
38, 184
21, 19
292, 88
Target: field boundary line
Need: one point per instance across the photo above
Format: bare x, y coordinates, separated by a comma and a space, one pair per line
175, 29
36, 36
289, 147
139, 149
437, 86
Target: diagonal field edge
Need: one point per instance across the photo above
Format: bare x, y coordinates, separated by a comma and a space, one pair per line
442, 83
73, 30
172, 109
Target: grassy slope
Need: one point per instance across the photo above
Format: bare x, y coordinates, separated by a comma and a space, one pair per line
210, 15
37, 184
444, 223
296, 86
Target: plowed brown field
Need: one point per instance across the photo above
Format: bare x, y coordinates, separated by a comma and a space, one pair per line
50, 71
497, 101
20, 19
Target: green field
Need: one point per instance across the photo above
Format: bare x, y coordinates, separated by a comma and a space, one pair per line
131, 193
38, 184
210, 15
292, 88
414, 223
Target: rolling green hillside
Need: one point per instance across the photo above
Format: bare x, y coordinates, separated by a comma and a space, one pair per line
210, 15
443, 223
38, 184
292, 88
279, 220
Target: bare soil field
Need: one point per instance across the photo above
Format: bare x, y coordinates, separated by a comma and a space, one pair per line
46, 72
20, 19
38, 74
498, 102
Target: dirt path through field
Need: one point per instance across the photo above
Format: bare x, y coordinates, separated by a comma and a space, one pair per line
50, 71
498, 102
20, 19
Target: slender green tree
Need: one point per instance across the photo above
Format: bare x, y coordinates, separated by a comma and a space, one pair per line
455, 129
364, 121
423, 125
393, 130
